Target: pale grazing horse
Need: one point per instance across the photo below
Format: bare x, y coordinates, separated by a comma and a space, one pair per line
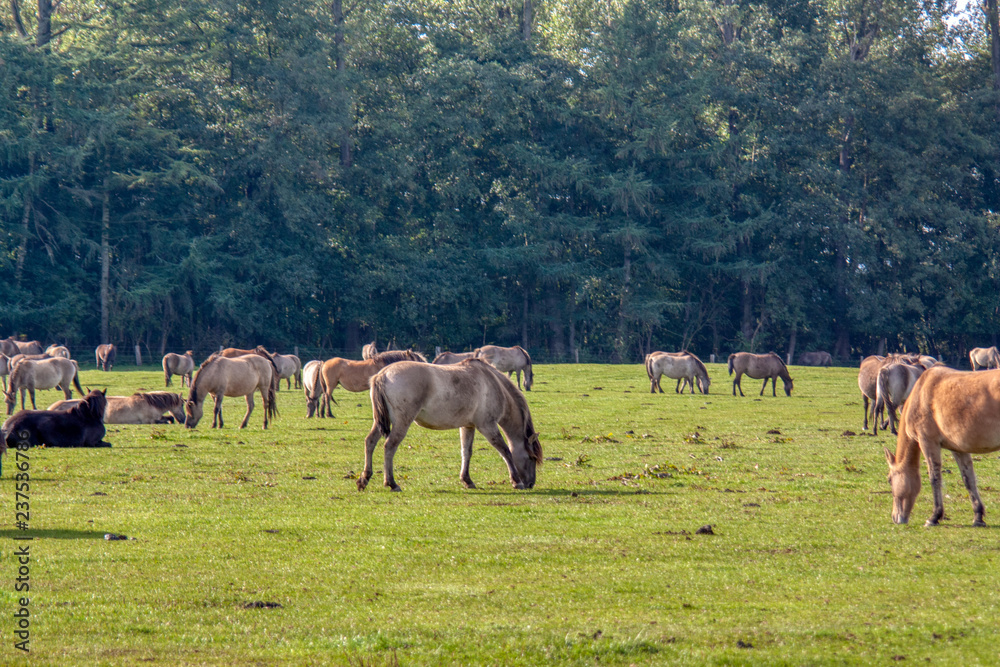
312, 386
105, 356
759, 366
947, 409
242, 376
178, 364
984, 357
509, 360
355, 375
680, 366
139, 408
368, 351
469, 396
818, 358
30, 375
289, 366
894, 384
454, 357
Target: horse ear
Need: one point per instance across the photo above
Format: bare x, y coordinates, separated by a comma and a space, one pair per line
890, 457
105, 392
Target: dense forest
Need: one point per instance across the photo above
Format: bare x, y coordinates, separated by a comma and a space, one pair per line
591, 177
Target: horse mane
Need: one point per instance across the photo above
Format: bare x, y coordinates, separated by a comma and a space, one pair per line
531, 441
439, 356
392, 356
92, 407
416, 356
525, 353
701, 365
161, 400
193, 393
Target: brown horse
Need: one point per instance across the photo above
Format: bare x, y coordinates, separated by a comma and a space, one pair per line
984, 357
368, 351
509, 360
178, 364
453, 357
355, 375
242, 376
894, 384
312, 386
819, 358
105, 355
10, 347
948, 409
469, 396
759, 366
139, 408
30, 375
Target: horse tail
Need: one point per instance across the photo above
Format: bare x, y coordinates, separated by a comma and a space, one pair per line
649, 368
272, 391
76, 380
529, 377
731, 358
380, 410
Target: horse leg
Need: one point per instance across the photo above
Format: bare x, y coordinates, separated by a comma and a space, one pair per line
217, 411
933, 456
32, 392
467, 434
370, 443
764, 387
246, 417
865, 397
964, 461
492, 434
391, 445
738, 384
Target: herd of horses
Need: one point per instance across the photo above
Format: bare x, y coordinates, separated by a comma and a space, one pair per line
938, 408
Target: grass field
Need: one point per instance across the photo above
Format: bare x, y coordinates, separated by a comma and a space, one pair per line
599, 564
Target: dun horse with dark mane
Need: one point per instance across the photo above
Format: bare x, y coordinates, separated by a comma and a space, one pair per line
759, 366
44, 374
139, 408
178, 364
509, 360
242, 376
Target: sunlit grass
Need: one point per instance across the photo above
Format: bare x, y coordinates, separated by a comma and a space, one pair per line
599, 564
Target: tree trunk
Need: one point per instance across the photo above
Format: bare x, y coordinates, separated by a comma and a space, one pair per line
527, 19
105, 260
621, 344
524, 320
791, 344
346, 158
746, 325
22, 247
15, 12
43, 33
993, 25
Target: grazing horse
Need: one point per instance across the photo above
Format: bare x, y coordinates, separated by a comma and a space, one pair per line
894, 384
178, 364
289, 366
509, 360
984, 357
355, 375
368, 351
106, 355
312, 385
947, 409
10, 347
30, 375
679, 366
242, 376
819, 358
468, 396
139, 408
57, 351
868, 383
82, 426
454, 357
757, 366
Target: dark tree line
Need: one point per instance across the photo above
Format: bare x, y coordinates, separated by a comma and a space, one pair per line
601, 176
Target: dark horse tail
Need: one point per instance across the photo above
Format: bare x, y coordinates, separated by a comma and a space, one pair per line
272, 389
380, 411
731, 357
76, 381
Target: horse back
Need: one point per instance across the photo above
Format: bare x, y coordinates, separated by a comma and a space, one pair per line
956, 410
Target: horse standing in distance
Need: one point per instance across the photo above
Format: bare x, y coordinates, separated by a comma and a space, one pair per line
289, 366
453, 357
30, 375
82, 426
509, 360
893, 386
106, 355
760, 366
355, 375
984, 357
242, 376
368, 351
139, 408
678, 366
818, 358
312, 385
468, 396
178, 364
10, 347
947, 409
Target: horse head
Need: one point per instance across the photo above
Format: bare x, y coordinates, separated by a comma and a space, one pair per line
788, 386
193, 411
10, 398
905, 484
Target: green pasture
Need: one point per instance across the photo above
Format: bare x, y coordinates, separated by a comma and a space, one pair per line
599, 564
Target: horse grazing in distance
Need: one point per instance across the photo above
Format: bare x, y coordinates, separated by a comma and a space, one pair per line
312, 385
178, 364
57, 351
454, 357
760, 366
984, 357
106, 355
242, 376
893, 386
368, 351
947, 409
30, 375
469, 396
509, 360
679, 366
289, 366
355, 375
81, 426
818, 358
139, 408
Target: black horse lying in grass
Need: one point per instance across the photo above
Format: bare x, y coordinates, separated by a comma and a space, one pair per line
83, 426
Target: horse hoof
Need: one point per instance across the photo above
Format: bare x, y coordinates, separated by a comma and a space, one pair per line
930, 522
397, 488
362, 483
520, 486
979, 523
469, 485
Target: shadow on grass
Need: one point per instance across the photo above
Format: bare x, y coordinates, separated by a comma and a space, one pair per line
53, 534
567, 493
